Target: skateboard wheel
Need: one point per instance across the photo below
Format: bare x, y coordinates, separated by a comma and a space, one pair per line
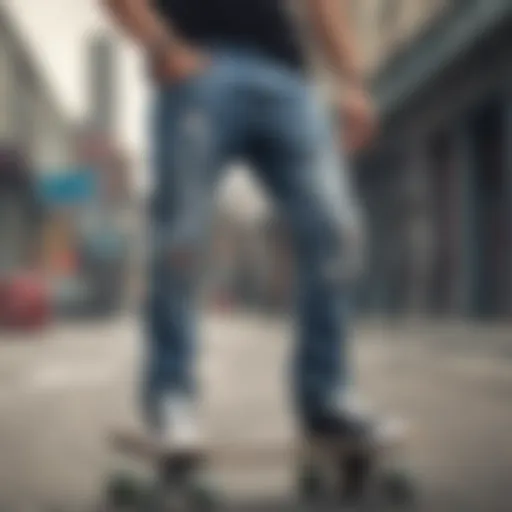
204, 499
399, 488
123, 491
355, 475
194, 491
311, 484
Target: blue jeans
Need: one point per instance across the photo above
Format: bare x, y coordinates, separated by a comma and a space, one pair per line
244, 106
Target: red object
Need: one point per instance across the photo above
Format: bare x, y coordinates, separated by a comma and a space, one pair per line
24, 302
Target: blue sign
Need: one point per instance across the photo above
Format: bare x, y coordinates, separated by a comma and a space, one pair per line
69, 187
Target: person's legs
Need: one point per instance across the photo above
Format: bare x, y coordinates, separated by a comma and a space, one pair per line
194, 133
295, 153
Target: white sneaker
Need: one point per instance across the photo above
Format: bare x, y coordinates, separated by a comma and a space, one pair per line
386, 429
352, 405
180, 424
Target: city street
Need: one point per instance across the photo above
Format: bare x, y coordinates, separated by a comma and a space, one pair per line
61, 392
94, 199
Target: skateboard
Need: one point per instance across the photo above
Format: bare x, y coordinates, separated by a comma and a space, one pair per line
332, 473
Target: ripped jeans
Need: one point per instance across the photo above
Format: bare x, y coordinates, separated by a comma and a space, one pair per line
244, 106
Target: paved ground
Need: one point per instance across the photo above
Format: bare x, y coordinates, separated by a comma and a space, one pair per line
60, 393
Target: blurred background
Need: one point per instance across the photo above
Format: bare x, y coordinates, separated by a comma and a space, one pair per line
433, 340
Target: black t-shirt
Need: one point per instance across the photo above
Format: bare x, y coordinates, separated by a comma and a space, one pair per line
263, 25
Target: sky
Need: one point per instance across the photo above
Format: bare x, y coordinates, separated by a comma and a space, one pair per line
57, 32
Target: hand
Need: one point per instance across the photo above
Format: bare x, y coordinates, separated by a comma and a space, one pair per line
178, 64
359, 119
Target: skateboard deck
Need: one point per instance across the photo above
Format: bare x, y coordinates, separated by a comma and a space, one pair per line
325, 466
261, 453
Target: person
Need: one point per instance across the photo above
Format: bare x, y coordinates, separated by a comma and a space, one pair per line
231, 81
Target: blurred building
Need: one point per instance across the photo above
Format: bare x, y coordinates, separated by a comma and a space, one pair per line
35, 136
97, 143
384, 27
103, 89
77, 172
106, 222
31, 120
438, 181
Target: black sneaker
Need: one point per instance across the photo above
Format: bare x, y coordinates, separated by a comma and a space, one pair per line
346, 419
